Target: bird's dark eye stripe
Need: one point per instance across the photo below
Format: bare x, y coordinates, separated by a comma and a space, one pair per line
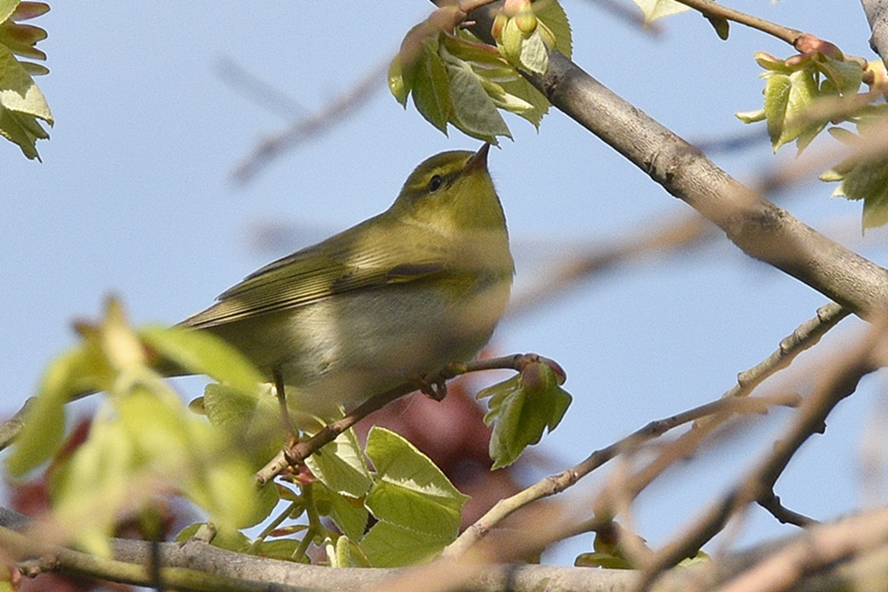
435, 183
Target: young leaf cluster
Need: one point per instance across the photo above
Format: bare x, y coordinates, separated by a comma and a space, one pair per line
524, 36
522, 407
21, 102
793, 86
415, 510
455, 79
864, 176
143, 444
806, 93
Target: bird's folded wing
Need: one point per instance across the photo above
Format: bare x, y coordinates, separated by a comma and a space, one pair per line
321, 271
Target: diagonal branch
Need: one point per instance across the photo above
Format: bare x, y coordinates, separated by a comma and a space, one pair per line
839, 382
877, 16
755, 225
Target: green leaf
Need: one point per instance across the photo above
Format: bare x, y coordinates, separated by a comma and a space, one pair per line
430, 86
400, 464
393, 545
185, 451
690, 562
348, 513
866, 180
502, 82
44, 421
787, 99
281, 549
534, 56
417, 507
340, 466
751, 116
473, 111
21, 104
771, 63
7, 7
553, 16
657, 9
22, 130
21, 39
603, 560
521, 408
397, 85
90, 488
142, 446
252, 419
847, 75
347, 554
201, 352
721, 26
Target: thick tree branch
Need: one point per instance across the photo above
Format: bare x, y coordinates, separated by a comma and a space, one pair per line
760, 228
196, 565
877, 15
757, 226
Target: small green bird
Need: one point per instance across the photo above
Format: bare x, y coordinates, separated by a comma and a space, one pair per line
406, 292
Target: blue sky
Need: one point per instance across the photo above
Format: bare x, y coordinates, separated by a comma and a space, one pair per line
134, 197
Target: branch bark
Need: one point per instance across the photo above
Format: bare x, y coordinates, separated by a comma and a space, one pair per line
759, 228
877, 16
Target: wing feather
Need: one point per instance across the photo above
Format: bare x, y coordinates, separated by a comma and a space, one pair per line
377, 252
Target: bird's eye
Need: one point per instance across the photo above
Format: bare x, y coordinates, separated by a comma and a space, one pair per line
435, 183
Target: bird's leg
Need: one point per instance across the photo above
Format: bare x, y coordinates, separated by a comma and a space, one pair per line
435, 384
436, 389
290, 433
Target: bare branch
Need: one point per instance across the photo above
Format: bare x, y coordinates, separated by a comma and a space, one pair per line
820, 548
805, 336
710, 9
557, 483
195, 565
772, 504
877, 16
299, 131
838, 382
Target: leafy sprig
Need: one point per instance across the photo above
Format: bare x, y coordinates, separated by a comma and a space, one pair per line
455, 79
21, 102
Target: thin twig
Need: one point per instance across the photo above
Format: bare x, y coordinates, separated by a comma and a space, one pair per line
654, 240
11, 428
772, 504
557, 483
802, 338
839, 382
270, 97
805, 336
308, 127
715, 10
822, 547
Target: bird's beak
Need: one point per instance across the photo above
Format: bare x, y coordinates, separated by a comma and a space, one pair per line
478, 160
